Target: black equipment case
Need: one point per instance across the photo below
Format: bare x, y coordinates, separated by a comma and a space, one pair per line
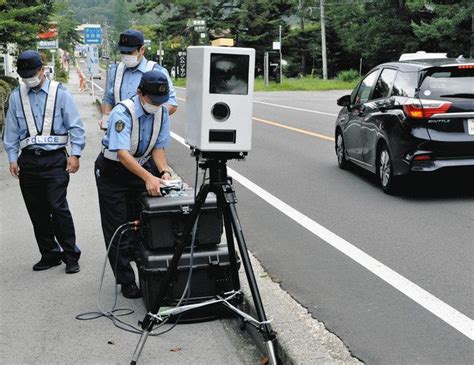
211, 276
163, 220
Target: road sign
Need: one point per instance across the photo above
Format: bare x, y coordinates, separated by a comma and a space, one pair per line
181, 65
276, 45
93, 35
93, 61
51, 44
147, 43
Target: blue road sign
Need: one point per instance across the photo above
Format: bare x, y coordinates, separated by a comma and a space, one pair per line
92, 35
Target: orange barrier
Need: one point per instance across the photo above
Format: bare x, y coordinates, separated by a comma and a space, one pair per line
82, 82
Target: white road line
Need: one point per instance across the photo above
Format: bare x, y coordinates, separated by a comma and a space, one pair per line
293, 108
445, 312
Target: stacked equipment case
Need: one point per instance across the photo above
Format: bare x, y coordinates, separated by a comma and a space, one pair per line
162, 223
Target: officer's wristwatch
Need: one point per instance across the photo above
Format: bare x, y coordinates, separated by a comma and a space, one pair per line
78, 156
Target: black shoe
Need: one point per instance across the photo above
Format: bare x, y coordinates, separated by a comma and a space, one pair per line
72, 267
131, 291
45, 264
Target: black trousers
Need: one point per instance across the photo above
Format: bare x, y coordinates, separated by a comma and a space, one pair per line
119, 191
43, 183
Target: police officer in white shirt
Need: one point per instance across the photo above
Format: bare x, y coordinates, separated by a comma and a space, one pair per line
41, 119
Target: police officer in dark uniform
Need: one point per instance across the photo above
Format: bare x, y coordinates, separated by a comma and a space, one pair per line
138, 129
40, 121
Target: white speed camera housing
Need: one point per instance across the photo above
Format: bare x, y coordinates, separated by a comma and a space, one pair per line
219, 93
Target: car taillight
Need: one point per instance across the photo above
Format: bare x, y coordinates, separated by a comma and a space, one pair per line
462, 67
424, 108
422, 158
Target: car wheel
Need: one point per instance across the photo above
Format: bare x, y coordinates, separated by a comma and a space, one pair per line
341, 152
388, 182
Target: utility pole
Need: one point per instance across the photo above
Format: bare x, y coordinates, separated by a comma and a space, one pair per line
160, 52
281, 56
323, 41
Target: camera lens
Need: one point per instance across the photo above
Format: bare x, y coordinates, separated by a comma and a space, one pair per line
220, 112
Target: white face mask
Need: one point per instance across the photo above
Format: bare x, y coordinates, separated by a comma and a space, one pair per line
150, 108
130, 60
32, 81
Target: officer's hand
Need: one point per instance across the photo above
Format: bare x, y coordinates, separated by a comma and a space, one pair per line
102, 124
166, 176
14, 170
153, 184
72, 164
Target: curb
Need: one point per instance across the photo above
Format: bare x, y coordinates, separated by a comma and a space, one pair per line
300, 339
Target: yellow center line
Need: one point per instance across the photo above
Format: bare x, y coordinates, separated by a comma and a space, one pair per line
275, 124
303, 131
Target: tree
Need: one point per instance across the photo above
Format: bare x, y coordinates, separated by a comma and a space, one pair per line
260, 20
67, 34
22, 20
446, 26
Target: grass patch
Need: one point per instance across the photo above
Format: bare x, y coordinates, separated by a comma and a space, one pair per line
299, 84
304, 84
179, 82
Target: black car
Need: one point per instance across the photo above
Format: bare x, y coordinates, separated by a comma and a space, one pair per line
409, 116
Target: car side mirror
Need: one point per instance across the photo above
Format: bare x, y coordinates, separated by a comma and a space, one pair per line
344, 100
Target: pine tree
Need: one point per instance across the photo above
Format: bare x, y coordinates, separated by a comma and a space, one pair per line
22, 20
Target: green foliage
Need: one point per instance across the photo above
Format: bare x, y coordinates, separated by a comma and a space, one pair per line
61, 74
67, 24
22, 20
4, 89
369, 31
304, 84
302, 48
11, 81
448, 28
348, 75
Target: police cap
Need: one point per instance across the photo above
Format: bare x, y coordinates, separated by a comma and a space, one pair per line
28, 63
130, 40
154, 84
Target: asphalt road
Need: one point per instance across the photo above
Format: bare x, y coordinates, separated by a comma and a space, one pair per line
422, 239
395, 283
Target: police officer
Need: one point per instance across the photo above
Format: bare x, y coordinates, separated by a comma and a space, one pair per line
41, 118
138, 130
123, 78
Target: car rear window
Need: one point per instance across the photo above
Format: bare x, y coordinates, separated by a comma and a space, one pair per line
450, 82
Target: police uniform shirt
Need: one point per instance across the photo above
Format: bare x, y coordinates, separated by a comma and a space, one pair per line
130, 82
119, 129
66, 119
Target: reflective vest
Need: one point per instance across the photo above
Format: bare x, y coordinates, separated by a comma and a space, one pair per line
135, 134
120, 70
46, 135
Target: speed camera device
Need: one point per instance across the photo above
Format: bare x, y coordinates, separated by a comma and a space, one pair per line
219, 92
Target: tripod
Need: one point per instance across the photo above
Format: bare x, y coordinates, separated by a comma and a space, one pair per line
221, 185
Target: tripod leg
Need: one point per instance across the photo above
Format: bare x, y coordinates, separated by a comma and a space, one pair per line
230, 241
267, 332
139, 348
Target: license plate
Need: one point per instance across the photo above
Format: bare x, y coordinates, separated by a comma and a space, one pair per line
470, 127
